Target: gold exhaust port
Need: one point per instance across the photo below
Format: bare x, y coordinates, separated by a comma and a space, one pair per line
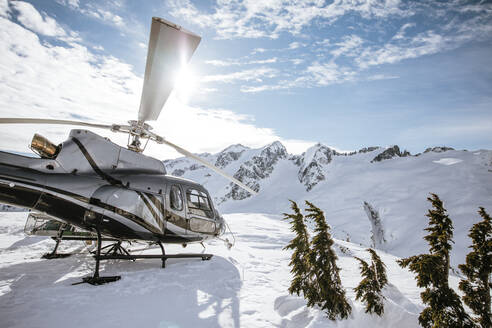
43, 147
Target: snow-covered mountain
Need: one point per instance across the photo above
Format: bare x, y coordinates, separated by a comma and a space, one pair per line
391, 181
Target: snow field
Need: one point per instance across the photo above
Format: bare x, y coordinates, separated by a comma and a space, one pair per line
242, 287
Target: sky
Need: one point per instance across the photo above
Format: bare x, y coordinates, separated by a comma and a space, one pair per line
348, 74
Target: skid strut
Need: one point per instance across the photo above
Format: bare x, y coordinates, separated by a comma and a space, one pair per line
58, 239
115, 248
96, 279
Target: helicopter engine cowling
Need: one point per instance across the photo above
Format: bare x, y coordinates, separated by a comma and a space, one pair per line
87, 153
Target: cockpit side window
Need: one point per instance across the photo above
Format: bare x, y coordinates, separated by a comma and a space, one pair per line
198, 203
176, 198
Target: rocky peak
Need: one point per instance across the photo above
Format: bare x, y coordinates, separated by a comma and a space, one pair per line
257, 168
311, 164
368, 149
230, 154
390, 153
274, 150
438, 149
170, 163
235, 148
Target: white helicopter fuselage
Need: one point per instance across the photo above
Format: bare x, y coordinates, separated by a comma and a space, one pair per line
92, 181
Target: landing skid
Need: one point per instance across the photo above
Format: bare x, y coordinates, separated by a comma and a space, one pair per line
117, 252
50, 256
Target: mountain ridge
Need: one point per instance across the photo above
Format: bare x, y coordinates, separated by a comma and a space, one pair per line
395, 184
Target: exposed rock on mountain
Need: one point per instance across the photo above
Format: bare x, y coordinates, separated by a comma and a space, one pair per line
390, 153
229, 154
178, 172
257, 168
438, 149
311, 164
377, 230
368, 149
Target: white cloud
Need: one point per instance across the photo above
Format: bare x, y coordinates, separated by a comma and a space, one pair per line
448, 33
239, 62
269, 18
104, 15
294, 45
266, 87
315, 75
401, 33
329, 73
420, 45
69, 3
222, 63
108, 12
258, 50
33, 20
42, 80
323, 43
377, 77
256, 74
297, 61
350, 46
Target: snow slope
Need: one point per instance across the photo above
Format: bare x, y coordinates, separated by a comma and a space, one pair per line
396, 187
242, 287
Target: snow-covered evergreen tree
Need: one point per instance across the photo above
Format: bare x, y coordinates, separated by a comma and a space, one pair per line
444, 308
299, 262
477, 270
380, 268
369, 290
326, 291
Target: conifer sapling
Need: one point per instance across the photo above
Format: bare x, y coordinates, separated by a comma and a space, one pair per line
326, 291
299, 262
369, 290
477, 270
444, 308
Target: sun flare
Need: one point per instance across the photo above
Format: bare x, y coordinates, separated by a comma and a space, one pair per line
186, 83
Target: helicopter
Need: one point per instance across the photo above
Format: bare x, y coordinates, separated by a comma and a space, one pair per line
90, 188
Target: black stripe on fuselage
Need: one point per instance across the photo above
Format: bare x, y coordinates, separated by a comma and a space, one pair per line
156, 215
165, 236
94, 166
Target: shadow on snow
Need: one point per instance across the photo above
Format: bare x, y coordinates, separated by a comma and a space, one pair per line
187, 293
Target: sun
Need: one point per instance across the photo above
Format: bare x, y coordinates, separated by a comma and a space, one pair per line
186, 83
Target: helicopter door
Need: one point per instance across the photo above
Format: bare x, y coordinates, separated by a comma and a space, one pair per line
143, 208
176, 218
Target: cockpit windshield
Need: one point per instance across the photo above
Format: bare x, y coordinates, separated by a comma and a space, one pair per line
198, 203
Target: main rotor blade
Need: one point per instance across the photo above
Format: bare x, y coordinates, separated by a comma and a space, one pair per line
170, 48
210, 166
51, 121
